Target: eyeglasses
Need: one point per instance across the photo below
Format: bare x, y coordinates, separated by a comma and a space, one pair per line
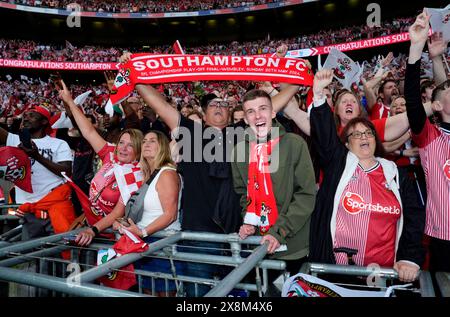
221, 104
358, 135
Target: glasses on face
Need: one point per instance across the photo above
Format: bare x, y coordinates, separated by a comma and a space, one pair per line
221, 104
358, 135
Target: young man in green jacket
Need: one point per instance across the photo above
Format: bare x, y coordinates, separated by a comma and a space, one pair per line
273, 174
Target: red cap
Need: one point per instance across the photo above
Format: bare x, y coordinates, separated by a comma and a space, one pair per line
42, 110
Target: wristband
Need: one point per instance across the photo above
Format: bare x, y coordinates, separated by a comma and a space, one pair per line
95, 229
144, 233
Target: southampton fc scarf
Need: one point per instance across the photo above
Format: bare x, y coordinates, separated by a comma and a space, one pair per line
261, 205
155, 69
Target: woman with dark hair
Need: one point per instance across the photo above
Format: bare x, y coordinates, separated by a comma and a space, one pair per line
358, 207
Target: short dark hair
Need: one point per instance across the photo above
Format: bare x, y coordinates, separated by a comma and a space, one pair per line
236, 109
384, 82
379, 149
439, 88
255, 93
206, 99
425, 84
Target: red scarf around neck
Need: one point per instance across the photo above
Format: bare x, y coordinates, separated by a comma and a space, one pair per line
261, 204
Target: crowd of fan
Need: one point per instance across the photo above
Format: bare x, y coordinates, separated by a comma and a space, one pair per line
19, 94
31, 50
123, 6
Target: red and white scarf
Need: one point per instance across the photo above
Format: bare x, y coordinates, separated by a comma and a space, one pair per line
129, 177
262, 208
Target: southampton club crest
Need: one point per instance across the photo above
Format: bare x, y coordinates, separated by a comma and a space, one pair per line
122, 78
342, 68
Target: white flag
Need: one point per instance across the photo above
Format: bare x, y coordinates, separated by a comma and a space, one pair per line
344, 68
440, 21
62, 121
80, 99
8, 77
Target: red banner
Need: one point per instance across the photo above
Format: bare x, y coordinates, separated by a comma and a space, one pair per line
351, 46
152, 69
57, 65
176, 68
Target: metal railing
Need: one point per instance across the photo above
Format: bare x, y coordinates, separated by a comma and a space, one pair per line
46, 249
443, 281
382, 275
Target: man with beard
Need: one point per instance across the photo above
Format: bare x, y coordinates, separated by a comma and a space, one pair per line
388, 89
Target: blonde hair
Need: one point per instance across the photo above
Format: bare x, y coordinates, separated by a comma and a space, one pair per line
136, 137
163, 157
341, 94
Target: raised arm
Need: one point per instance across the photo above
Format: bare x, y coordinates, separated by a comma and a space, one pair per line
299, 116
369, 85
369, 88
155, 100
418, 34
323, 128
159, 104
436, 48
85, 126
284, 97
394, 145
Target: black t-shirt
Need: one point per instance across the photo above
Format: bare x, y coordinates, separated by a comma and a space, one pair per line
206, 154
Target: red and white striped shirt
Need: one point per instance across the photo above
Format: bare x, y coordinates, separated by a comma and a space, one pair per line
367, 219
379, 111
434, 149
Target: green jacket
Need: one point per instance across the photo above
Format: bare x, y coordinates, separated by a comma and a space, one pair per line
294, 187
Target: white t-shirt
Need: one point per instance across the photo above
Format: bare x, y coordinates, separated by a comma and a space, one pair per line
153, 208
42, 180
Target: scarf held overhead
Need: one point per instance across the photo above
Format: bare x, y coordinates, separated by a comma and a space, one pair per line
262, 208
151, 69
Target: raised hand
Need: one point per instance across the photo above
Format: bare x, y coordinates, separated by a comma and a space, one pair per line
282, 50
266, 86
322, 79
387, 60
126, 56
110, 76
65, 94
436, 45
418, 32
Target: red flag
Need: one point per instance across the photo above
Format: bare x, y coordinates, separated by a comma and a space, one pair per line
84, 201
15, 167
125, 278
178, 49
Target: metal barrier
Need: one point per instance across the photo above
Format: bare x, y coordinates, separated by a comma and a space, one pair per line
46, 250
443, 281
380, 276
9, 234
